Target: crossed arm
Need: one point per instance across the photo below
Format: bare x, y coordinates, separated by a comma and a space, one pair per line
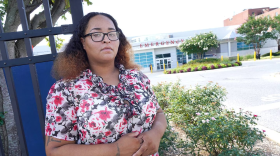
152, 137
127, 145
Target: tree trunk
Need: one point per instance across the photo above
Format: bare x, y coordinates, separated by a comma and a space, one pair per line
258, 48
199, 55
8, 131
39, 22
3, 129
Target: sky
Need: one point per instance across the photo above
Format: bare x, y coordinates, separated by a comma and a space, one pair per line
147, 17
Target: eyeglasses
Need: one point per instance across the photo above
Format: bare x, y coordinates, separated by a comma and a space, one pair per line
99, 36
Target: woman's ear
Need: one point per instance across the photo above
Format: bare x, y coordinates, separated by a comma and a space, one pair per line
82, 41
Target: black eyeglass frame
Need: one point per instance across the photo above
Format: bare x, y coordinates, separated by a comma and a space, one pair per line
90, 34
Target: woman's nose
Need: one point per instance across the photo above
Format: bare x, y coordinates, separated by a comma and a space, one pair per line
106, 38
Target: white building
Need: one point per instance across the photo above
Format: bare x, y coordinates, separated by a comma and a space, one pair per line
163, 48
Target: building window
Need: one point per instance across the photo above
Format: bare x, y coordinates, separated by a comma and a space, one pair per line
243, 46
268, 16
144, 59
190, 56
159, 56
276, 14
181, 57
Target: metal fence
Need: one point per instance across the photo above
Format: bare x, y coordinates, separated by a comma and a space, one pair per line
6, 64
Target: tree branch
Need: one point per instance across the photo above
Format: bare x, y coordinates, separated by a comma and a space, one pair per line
39, 22
30, 8
12, 19
36, 20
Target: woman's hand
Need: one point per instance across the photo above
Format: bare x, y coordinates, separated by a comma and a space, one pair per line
128, 144
150, 145
151, 138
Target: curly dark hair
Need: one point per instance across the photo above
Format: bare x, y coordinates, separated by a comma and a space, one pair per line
70, 63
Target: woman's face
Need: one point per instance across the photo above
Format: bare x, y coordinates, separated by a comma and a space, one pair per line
106, 50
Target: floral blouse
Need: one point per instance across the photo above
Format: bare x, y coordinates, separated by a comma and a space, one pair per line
88, 111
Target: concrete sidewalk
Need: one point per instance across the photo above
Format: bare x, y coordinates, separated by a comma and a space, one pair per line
270, 134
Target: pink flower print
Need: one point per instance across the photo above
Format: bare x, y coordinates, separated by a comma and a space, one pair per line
105, 114
94, 95
203, 121
88, 82
84, 134
75, 128
58, 118
52, 89
129, 77
92, 124
108, 133
79, 87
198, 114
148, 120
150, 107
48, 129
85, 106
255, 115
113, 98
124, 121
137, 96
58, 100
207, 120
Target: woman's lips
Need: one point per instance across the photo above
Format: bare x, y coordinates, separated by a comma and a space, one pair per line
106, 49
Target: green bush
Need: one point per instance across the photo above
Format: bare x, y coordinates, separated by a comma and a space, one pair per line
241, 58
246, 57
206, 98
178, 70
223, 65
209, 60
216, 66
162, 91
170, 142
199, 68
236, 64
239, 63
273, 54
225, 132
199, 112
226, 61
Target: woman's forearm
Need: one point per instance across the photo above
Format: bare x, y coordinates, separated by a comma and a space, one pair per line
86, 150
160, 123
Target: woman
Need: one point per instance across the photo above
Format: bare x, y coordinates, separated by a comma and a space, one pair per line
101, 99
